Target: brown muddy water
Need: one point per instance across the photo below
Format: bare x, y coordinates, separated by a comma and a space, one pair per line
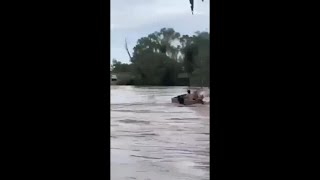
153, 139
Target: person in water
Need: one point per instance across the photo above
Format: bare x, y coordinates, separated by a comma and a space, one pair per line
195, 95
201, 99
189, 96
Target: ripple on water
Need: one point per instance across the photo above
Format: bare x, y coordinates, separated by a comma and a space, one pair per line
132, 121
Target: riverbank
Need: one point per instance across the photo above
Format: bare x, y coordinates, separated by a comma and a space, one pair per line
127, 78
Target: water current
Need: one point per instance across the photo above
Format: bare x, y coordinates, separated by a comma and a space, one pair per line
153, 139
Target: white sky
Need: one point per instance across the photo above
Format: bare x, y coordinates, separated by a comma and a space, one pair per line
133, 19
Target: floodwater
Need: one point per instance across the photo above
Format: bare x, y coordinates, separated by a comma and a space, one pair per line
153, 139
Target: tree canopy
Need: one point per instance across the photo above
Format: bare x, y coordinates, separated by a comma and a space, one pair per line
161, 56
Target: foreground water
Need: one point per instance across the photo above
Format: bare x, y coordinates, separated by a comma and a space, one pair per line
152, 139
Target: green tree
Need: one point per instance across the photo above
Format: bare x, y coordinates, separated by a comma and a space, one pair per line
117, 66
155, 69
158, 58
155, 58
197, 59
159, 42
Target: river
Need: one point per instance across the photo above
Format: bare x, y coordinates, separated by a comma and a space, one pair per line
153, 139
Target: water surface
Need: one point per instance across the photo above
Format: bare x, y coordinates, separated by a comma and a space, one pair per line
153, 139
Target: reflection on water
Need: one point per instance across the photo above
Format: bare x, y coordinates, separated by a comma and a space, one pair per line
152, 139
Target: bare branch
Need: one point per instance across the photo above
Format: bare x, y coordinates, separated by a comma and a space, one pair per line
126, 46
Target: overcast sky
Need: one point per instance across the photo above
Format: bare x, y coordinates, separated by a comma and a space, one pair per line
133, 19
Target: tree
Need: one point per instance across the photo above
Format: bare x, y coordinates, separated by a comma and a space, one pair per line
155, 69
117, 66
155, 58
158, 58
196, 57
159, 42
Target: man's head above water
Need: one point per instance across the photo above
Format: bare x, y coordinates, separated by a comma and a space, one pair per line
188, 91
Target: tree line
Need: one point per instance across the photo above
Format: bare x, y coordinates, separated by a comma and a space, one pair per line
167, 58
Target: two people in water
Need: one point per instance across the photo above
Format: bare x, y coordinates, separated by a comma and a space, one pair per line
195, 96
